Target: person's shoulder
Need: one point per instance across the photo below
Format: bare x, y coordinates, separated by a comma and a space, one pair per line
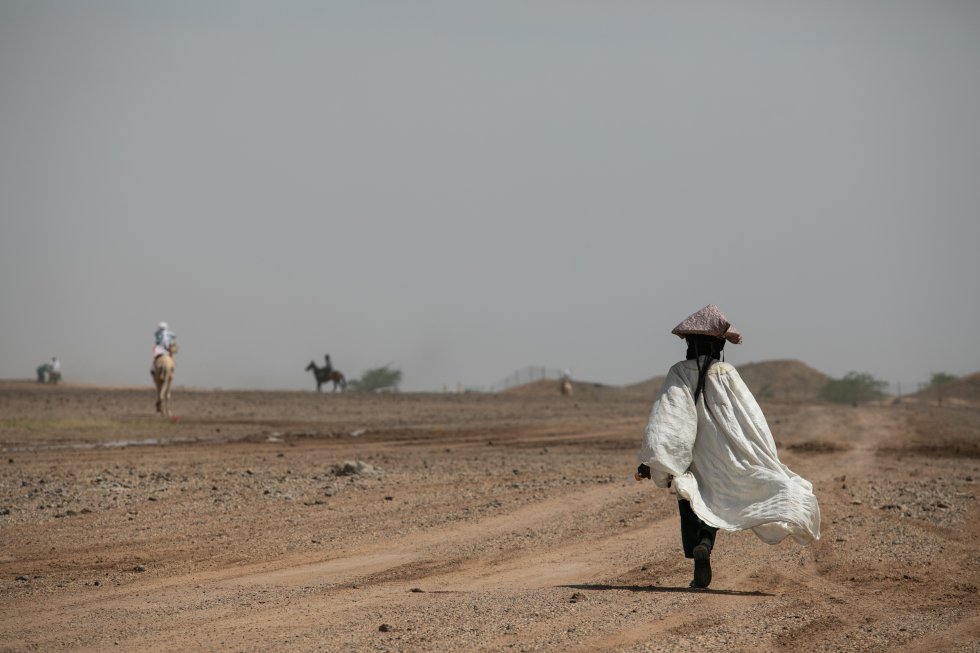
727, 373
680, 367
722, 367
683, 372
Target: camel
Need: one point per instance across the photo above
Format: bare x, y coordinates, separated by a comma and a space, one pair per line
163, 376
325, 374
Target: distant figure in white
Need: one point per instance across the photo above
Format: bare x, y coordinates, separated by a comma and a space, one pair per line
164, 348
49, 372
565, 385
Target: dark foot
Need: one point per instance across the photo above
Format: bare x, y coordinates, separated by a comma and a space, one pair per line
702, 566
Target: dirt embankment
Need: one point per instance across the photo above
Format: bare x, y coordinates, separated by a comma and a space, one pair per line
489, 522
776, 380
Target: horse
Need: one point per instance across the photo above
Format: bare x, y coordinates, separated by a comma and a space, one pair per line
325, 374
163, 376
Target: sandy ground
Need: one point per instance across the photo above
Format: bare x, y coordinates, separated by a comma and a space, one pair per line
474, 522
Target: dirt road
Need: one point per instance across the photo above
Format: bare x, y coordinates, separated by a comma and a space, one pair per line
474, 522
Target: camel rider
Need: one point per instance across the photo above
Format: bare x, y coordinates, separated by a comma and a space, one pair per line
164, 340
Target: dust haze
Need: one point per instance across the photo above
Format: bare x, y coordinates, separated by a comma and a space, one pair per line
465, 190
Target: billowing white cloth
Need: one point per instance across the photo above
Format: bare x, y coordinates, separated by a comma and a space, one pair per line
723, 457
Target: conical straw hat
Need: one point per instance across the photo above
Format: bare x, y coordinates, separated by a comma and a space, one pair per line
709, 321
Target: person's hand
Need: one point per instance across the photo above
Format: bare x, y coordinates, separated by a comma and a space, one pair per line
642, 472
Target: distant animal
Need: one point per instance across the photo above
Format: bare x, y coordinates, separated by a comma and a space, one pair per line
325, 375
163, 376
566, 387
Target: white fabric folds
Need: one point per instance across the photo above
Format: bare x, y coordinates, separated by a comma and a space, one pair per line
723, 457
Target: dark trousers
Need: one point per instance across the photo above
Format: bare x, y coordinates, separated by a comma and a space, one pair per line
693, 530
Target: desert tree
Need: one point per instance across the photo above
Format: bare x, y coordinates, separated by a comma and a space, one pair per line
378, 379
939, 378
854, 388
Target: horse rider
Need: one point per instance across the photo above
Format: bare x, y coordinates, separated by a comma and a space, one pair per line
329, 366
164, 341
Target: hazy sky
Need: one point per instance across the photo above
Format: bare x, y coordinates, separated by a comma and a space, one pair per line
462, 189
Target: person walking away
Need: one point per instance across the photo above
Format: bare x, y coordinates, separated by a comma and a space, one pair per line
708, 437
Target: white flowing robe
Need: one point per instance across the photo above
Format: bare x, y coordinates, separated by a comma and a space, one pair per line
723, 457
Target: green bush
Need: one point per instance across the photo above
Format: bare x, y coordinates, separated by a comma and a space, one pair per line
854, 388
940, 378
378, 378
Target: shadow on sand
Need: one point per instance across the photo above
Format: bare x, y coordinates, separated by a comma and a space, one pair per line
666, 590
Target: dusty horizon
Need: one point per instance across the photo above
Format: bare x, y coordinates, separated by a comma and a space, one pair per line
465, 191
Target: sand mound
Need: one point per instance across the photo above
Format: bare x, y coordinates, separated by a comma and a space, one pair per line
786, 380
965, 389
648, 388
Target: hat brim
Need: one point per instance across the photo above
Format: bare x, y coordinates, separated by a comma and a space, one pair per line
731, 334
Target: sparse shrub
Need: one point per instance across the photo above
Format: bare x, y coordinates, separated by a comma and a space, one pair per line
854, 388
378, 378
940, 378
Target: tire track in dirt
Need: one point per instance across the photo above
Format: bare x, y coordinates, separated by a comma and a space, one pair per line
546, 570
441, 542
409, 558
